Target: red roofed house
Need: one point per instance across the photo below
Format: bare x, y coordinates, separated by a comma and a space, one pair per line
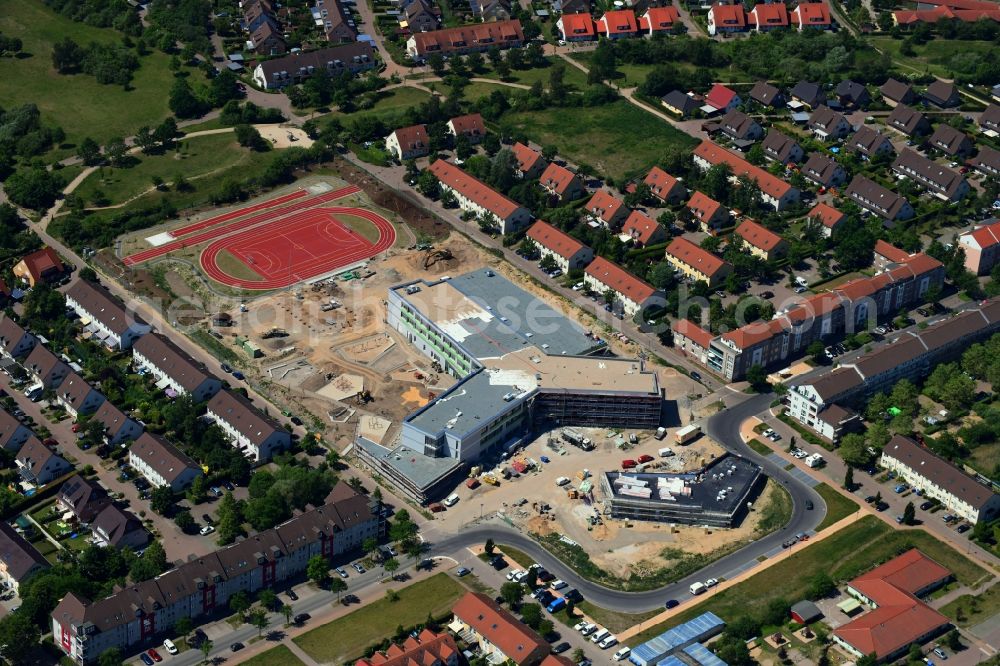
898, 617
561, 183
608, 209
426, 649
773, 191
617, 24
766, 17
576, 27
720, 97
568, 252
828, 216
760, 241
530, 163
39, 267
471, 126
477, 197
665, 187
692, 339
408, 143
658, 20
710, 214
697, 263
642, 230
886, 253
726, 18
968, 13
812, 15
982, 248
460, 40
500, 635
633, 294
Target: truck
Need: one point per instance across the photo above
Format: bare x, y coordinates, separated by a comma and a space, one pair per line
687, 433
697, 588
666, 452
557, 604
577, 440
661, 433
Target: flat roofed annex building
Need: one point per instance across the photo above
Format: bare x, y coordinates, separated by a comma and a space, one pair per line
520, 363
715, 495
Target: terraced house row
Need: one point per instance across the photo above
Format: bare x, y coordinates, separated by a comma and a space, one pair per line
826, 316
136, 615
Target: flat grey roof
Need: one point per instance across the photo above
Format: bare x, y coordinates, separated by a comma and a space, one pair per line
460, 409
421, 470
498, 317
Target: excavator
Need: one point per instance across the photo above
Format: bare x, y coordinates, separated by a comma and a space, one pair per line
436, 255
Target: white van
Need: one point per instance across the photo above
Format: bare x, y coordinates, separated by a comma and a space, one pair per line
558, 584
169, 646
451, 500
608, 642
622, 653
697, 588
600, 635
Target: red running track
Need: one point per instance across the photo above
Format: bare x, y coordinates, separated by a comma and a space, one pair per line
297, 248
212, 234
233, 214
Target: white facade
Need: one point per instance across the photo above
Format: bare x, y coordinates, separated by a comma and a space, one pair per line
946, 496
263, 452
518, 219
113, 337
202, 392
629, 306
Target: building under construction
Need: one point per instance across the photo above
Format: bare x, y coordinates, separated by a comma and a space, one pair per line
718, 495
520, 363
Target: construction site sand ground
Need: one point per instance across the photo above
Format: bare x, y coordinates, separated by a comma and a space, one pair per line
622, 547
284, 137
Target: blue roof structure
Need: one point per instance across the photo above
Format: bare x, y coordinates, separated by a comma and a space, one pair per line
703, 655
671, 661
654, 651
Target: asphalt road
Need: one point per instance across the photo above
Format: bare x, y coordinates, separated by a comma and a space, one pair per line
724, 428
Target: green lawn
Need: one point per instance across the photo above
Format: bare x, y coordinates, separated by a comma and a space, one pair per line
572, 77
631, 75
614, 621
477, 89
760, 447
616, 139
390, 103
936, 55
837, 506
346, 639
276, 656
969, 610
843, 556
77, 103
194, 158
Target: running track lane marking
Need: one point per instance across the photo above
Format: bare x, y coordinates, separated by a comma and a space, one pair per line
387, 236
252, 251
233, 214
156, 252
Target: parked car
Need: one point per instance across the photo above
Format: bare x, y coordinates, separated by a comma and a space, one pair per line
462, 571
562, 647
357, 567
301, 618
154, 654
146, 659
236, 647
671, 603
169, 646
206, 530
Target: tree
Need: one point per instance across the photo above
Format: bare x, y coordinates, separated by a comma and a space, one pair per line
88, 151
161, 500
531, 615
67, 56
184, 521
183, 102
849, 479
338, 586
369, 546
152, 563
578, 655
548, 263
34, 187
18, 636
854, 450
489, 547
820, 586
184, 626
287, 611
817, 352
198, 492
512, 593
391, 566
463, 148
206, 647
10, 45
318, 570
757, 377
909, 514
258, 618
531, 579
239, 603
436, 62
230, 523
110, 657
953, 640
268, 599
116, 151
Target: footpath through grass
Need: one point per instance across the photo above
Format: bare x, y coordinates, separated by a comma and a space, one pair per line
843, 556
968, 610
616, 139
277, 656
194, 158
837, 506
77, 102
346, 638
